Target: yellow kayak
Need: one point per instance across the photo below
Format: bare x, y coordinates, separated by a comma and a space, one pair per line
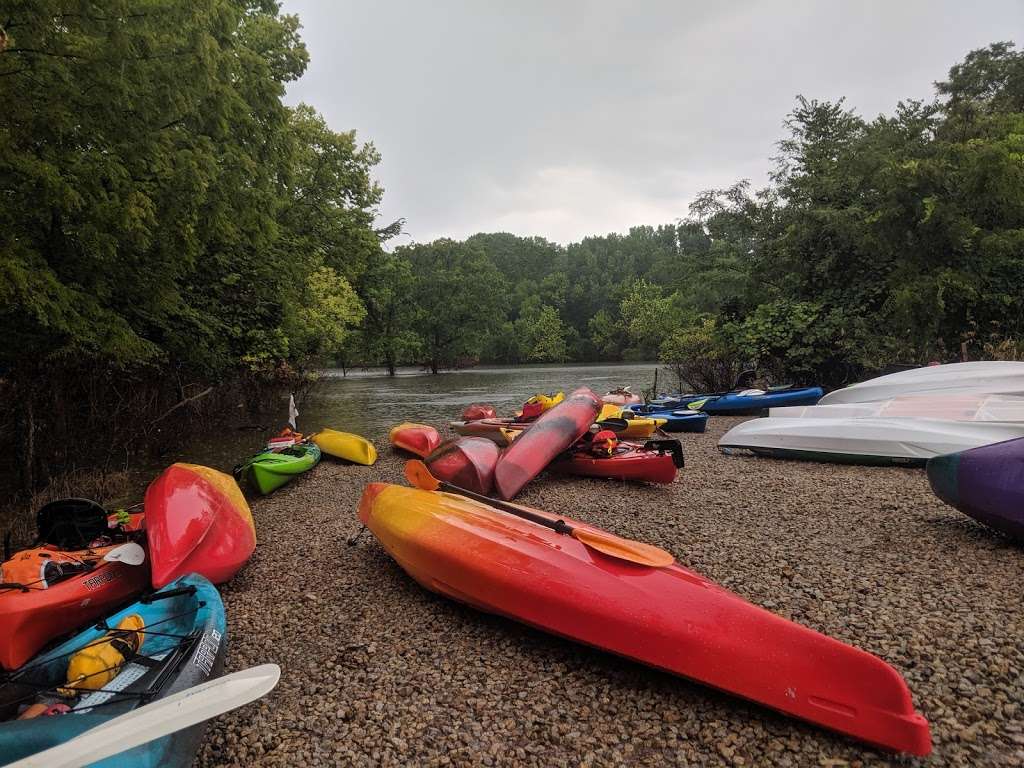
639, 428
345, 445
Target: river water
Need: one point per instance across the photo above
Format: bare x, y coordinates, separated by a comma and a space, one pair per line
370, 403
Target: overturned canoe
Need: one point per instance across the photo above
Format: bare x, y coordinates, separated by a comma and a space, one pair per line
467, 462
898, 441
197, 521
419, 439
950, 407
476, 411
346, 446
986, 483
670, 617
552, 433
999, 377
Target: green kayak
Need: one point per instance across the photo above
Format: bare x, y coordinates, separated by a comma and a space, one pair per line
269, 470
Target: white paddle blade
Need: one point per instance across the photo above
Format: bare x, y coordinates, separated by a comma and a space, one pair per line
129, 554
156, 720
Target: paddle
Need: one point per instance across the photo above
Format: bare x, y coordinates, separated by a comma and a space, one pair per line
129, 554
624, 549
156, 720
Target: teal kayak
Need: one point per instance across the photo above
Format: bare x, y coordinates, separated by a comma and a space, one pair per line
269, 470
165, 643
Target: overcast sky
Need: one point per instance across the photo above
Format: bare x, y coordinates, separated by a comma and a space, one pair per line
565, 119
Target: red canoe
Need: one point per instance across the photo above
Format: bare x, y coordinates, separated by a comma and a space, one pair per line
670, 618
654, 462
477, 411
48, 592
420, 439
197, 521
552, 433
467, 462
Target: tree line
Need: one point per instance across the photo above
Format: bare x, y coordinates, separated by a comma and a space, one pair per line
898, 239
174, 238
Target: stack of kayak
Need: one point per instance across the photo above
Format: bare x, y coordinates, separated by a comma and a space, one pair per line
905, 418
737, 402
71, 587
579, 434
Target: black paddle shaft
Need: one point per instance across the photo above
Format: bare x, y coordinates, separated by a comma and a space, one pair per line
558, 526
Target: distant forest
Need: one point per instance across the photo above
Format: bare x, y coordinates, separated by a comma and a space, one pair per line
174, 238
893, 240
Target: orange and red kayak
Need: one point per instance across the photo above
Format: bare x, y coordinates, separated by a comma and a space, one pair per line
419, 439
467, 462
655, 461
197, 521
556, 430
47, 592
668, 617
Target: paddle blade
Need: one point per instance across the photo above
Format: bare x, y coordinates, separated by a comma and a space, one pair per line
419, 476
696, 405
156, 720
623, 549
129, 554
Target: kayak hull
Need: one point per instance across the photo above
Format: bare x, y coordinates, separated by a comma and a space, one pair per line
552, 433
197, 521
30, 619
629, 462
346, 446
419, 439
985, 483
475, 411
670, 618
871, 441
467, 462
198, 614
1000, 377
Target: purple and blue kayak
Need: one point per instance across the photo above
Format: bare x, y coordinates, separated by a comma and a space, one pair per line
986, 483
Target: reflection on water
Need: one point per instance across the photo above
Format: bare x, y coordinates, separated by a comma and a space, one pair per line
369, 403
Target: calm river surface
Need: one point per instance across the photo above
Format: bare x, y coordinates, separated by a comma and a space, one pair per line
370, 403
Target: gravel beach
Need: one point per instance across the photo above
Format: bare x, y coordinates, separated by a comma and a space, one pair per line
378, 671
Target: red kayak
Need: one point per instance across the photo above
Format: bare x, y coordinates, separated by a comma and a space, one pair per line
467, 462
197, 521
552, 433
667, 617
52, 589
419, 439
655, 461
477, 411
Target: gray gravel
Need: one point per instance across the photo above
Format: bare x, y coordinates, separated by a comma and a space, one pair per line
378, 671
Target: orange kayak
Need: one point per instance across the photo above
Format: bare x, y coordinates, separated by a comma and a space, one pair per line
47, 591
420, 439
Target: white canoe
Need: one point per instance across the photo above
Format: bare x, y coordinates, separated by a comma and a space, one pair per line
1000, 377
949, 407
865, 440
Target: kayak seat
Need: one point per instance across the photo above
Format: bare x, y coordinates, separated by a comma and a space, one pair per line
71, 523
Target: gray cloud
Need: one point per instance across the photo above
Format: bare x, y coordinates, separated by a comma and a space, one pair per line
569, 118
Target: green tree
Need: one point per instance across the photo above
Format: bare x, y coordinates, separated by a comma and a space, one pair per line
389, 334
460, 297
541, 334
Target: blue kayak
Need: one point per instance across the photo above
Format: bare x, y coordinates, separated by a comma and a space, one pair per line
177, 640
676, 420
756, 400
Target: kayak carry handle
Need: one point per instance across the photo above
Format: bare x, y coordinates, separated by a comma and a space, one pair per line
191, 590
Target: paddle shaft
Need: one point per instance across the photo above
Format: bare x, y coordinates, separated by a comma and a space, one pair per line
558, 526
